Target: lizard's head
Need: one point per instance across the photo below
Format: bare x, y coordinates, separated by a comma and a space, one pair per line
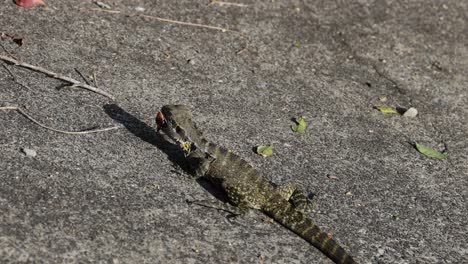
172, 119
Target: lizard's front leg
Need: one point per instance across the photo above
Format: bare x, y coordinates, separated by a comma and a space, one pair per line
296, 197
233, 211
199, 162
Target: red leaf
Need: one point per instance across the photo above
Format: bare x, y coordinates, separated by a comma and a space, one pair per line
160, 121
29, 3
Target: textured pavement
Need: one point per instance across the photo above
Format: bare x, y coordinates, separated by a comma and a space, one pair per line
120, 196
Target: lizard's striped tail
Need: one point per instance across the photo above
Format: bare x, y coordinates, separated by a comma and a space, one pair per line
285, 213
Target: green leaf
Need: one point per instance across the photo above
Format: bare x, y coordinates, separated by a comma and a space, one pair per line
386, 110
300, 125
297, 44
265, 151
430, 152
186, 146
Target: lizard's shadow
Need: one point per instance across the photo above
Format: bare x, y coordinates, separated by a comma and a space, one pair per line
149, 134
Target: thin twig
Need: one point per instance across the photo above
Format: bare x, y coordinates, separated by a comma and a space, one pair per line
54, 75
107, 11
14, 77
8, 108
221, 3
171, 21
190, 24
241, 51
82, 76
4, 49
22, 112
9, 71
95, 79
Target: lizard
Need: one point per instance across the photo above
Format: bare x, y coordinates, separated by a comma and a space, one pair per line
243, 185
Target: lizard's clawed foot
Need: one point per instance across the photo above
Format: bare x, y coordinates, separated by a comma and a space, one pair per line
232, 210
297, 197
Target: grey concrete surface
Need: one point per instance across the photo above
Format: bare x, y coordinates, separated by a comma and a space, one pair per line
119, 196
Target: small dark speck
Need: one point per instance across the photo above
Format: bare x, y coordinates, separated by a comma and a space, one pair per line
368, 84
191, 61
437, 66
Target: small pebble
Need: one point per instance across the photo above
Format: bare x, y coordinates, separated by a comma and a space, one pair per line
29, 152
411, 112
139, 9
191, 61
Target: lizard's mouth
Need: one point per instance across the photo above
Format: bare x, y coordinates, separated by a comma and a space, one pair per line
161, 122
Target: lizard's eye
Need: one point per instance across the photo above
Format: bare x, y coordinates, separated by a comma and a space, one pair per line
160, 121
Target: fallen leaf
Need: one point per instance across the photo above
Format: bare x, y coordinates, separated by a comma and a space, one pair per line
261, 258
297, 44
430, 152
383, 99
29, 3
300, 125
386, 110
332, 177
396, 217
29, 152
348, 193
265, 151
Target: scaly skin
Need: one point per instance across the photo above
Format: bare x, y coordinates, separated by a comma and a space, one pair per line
243, 185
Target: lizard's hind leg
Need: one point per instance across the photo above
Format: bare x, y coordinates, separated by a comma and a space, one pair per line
233, 211
296, 197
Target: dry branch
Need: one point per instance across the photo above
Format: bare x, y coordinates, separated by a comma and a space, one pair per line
15, 79
189, 24
30, 118
73, 82
170, 21
221, 3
